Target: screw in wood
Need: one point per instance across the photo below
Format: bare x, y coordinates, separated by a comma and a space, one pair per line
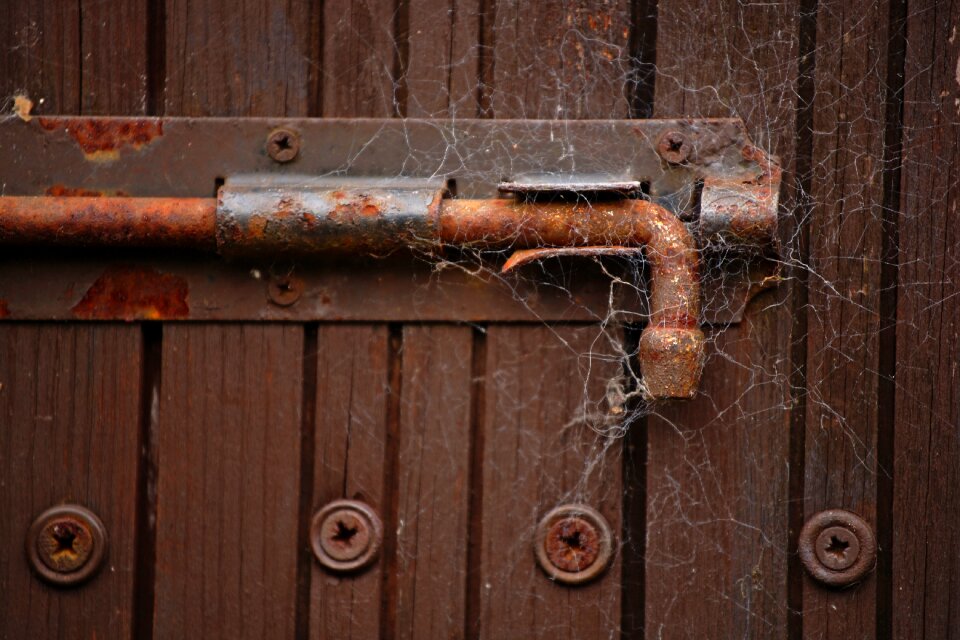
573, 544
283, 145
837, 547
346, 535
66, 544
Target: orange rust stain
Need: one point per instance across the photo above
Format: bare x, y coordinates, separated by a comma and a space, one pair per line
134, 293
103, 139
4, 309
68, 192
352, 210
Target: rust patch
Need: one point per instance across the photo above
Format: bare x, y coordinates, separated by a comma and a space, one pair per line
102, 139
134, 293
4, 309
60, 190
352, 209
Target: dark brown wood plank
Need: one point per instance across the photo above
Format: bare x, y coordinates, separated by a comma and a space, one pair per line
433, 481
41, 56
560, 59
228, 447
843, 323
718, 465
69, 433
114, 52
442, 71
545, 442
360, 59
926, 508
350, 448
250, 58
228, 502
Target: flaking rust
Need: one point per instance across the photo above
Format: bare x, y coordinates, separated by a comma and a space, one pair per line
134, 293
103, 139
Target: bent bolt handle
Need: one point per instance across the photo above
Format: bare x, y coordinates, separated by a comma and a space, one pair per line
671, 346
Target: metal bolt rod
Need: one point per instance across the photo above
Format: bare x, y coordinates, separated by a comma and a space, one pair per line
187, 223
671, 347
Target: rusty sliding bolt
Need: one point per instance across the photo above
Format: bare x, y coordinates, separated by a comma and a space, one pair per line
314, 221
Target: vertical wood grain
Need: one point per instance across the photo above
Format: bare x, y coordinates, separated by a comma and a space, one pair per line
69, 428
926, 508
114, 57
544, 398
433, 482
349, 462
361, 59
718, 465
228, 486
443, 70
41, 55
843, 346
226, 58
556, 59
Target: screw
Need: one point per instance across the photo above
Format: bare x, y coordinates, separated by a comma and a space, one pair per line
283, 145
673, 147
66, 544
284, 290
346, 535
574, 544
837, 547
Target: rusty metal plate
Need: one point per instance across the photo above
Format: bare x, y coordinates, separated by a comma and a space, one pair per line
183, 157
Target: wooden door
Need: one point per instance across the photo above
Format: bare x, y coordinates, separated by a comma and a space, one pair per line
206, 447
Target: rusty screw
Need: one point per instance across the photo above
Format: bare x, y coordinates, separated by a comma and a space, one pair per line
66, 544
573, 544
837, 547
284, 290
673, 147
283, 145
346, 535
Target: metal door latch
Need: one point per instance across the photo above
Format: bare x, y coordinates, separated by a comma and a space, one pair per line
671, 191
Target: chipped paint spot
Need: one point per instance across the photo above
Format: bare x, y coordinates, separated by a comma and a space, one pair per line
134, 293
101, 139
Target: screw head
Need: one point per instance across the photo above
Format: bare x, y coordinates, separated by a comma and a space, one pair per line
283, 145
837, 547
66, 544
346, 535
573, 544
284, 290
674, 147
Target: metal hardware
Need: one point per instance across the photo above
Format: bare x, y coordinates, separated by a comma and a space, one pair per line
837, 547
284, 290
346, 535
264, 216
66, 544
573, 544
283, 145
673, 147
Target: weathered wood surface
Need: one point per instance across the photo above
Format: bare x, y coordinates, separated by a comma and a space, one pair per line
841, 465
835, 391
926, 463
228, 451
69, 434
